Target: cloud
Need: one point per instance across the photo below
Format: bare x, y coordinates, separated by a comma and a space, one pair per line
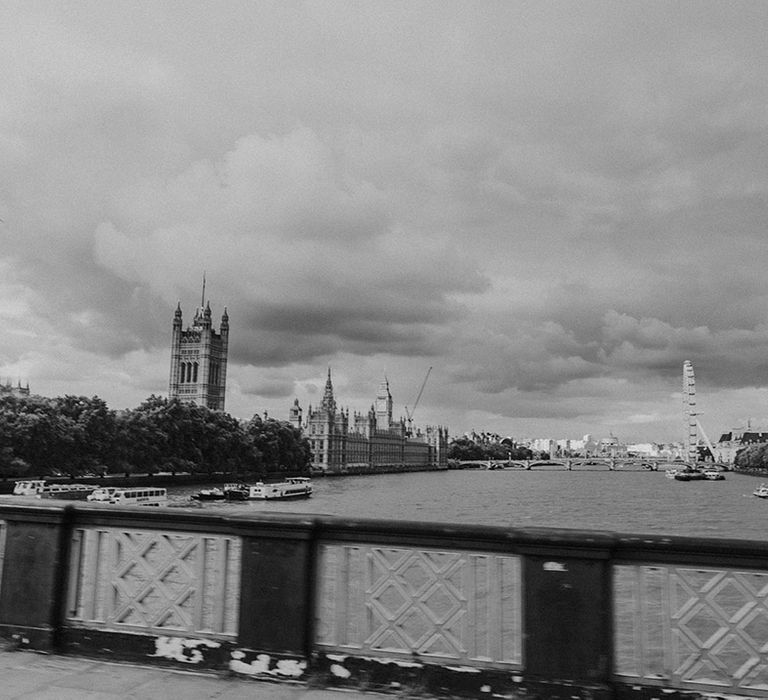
554, 206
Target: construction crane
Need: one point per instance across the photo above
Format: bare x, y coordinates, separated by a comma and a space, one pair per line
410, 413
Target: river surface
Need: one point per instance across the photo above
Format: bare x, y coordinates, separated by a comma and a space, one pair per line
620, 501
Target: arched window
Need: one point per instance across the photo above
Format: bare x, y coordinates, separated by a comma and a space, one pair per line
194, 375
181, 373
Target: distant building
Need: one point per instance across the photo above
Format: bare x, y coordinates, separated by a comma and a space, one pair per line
730, 443
9, 389
370, 441
199, 360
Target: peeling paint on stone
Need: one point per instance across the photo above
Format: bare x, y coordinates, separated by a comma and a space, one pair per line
339, 671
185, 650
287, 668
396, 662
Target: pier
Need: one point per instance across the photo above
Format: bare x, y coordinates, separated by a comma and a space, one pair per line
390, 606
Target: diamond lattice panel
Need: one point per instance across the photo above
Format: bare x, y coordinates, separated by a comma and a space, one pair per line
692, 628
155, 581
444, 605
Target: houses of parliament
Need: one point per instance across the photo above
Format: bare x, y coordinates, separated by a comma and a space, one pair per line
368, 442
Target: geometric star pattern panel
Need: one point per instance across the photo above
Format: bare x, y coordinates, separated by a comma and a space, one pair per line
697, 628
454, 606
154, 581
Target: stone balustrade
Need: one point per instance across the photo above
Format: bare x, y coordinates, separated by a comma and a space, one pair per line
398, 606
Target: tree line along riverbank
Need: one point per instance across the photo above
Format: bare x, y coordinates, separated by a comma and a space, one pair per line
76, 436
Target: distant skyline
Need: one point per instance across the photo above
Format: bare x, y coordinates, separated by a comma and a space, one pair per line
552, 204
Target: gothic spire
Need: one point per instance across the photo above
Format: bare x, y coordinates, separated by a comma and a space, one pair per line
329, 403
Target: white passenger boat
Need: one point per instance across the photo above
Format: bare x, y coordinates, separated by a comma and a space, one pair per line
42, 489
714, 475
102, 494
214, 494
761, 491
219, 493
67, 492
139, 496
295, 487
29, 487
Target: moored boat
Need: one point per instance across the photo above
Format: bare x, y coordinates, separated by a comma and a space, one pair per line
713, 475
40, 488
761, 491
214, 494
219, 493
689, 475
139, 496
103, 494
294, 487
29, 487
67, 492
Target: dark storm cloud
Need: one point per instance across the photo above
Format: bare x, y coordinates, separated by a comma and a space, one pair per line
554, 204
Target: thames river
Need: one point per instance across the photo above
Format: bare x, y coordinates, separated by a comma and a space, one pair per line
621, 501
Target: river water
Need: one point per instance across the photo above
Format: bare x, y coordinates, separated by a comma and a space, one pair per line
638, 502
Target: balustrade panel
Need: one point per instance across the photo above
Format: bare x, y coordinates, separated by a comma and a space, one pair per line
3, 531
441, 605
154, 581
697, 628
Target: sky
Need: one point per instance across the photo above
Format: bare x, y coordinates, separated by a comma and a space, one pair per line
552, 204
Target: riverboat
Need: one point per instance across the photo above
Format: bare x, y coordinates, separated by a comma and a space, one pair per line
29, 487
67, 492
294, 487
761, 491
40, 488
139, 496
214, 494
690, 475
713, 475
102, 494
218, 493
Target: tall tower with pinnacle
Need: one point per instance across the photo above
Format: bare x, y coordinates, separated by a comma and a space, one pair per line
383, 406
199, 358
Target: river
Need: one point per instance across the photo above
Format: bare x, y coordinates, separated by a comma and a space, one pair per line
637, 502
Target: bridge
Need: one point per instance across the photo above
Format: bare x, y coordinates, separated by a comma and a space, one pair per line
577, 463
409, 608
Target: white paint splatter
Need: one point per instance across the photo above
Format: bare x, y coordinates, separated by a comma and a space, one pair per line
184, 650
261, 666
339, 671
463, 669
485, 688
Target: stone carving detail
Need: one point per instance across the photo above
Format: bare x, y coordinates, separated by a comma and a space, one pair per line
440, 605
154, 581
692, 628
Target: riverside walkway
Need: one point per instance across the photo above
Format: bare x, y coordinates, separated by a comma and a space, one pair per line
30, 676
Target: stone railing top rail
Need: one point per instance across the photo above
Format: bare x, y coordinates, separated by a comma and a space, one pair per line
546, 541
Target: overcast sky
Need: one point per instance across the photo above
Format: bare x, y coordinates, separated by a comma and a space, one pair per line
554, 205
